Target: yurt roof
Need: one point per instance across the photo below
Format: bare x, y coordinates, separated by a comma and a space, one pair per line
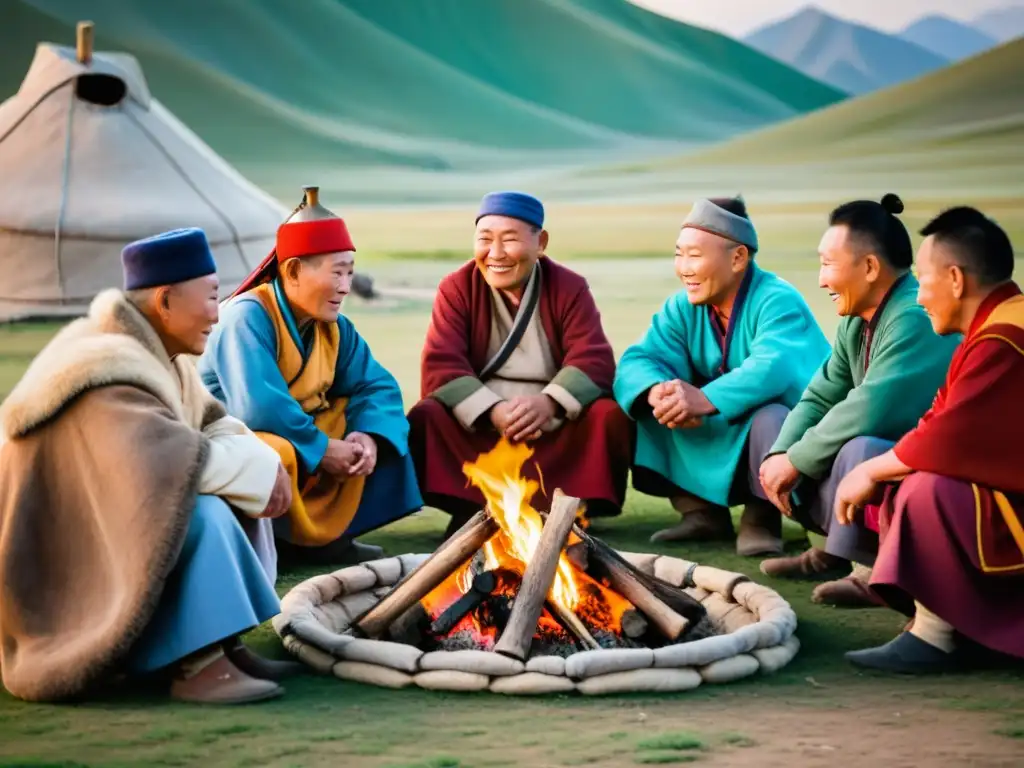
81, 178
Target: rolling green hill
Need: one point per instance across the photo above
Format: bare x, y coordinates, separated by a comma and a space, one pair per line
286, 90
953, 134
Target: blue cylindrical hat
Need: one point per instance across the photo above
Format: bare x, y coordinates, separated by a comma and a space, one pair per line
518, 205
168, 258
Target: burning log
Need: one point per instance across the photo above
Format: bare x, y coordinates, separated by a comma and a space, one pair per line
453, 553
627, 583
577, 555
540, 573
634, 625
483, 587
410, 626
573, 625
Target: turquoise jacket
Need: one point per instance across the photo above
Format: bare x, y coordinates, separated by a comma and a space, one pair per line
770, 351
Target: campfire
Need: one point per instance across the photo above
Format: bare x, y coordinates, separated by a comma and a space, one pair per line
522, 583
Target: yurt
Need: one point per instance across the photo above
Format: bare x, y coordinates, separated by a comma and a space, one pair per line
90, 161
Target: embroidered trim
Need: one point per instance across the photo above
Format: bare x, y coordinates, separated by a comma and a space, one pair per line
1012, 522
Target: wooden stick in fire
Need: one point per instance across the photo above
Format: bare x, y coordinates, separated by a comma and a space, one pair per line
669, 623
540, 574
574, 624
452, 554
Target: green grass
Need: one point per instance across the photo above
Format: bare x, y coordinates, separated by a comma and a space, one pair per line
324, 721
672, 741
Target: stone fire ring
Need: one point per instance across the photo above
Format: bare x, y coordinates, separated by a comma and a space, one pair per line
754, 623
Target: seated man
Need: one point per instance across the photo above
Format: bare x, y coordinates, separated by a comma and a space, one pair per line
885, 367
711, 381
952, 538
516, 349
286, 363
118, 550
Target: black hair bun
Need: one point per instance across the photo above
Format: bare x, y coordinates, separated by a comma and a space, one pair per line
892, 204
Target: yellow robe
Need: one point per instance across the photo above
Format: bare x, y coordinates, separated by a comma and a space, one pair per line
322, 505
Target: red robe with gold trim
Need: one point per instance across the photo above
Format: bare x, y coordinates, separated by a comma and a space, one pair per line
951, 533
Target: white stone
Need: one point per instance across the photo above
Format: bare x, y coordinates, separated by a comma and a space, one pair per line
642, 561
717, 580
768, 635
451, 680
328, 587
671, 569
748, 638
480, 662
532, 684
607, 660
317, 635
547, 665
279, 623
312, 656
371, 674
697, 653
641, 680
336, 618
775, 658
411, 562
358, 604
388, 570
355, 579
383, 653
727, 670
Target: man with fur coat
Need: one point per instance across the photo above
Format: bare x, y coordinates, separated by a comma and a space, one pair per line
130, 502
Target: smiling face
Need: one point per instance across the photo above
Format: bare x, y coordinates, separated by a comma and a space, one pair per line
505, 251
188, 311
316, 286
846, 272
941, 288
709, 266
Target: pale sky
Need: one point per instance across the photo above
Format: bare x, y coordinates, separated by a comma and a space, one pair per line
738, 17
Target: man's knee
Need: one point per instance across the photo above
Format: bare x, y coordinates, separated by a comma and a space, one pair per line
858, 450
765, 428
608, 413
922, 485
426, 412
210, 514
770, 417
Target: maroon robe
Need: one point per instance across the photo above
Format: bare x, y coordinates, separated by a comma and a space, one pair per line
951, 533
588, 458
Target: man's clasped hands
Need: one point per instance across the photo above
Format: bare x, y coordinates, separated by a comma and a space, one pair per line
355, 456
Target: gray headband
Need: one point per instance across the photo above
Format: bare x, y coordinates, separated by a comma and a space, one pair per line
709, 217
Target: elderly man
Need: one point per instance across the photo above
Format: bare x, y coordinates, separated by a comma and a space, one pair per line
119, 551
515, 349
704, 381
885, 367
285, 362
952, 536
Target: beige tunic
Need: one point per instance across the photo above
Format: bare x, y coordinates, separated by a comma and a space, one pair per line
528, 370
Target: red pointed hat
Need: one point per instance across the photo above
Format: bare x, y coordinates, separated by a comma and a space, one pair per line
311, 231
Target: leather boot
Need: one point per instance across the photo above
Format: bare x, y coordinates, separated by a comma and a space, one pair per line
255, 665
760, 530
707, 522
215, 680
852, 591
813, 565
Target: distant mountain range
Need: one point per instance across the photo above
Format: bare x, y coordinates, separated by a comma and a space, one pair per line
317, 89
852, 57
952, 40
857, 58
1003, 24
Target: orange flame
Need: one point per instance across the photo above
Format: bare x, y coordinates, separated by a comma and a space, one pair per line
498, 475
